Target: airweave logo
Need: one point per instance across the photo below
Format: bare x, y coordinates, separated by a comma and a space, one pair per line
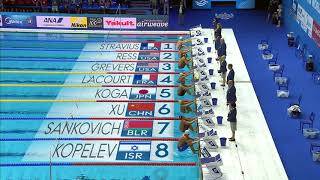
95, 22
79, 22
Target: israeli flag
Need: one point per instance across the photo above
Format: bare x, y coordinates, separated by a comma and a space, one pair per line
211, 144
215, 172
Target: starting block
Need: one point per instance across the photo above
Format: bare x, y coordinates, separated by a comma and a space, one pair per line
213, 165
316, 156
311, 133
209, 135
208, 122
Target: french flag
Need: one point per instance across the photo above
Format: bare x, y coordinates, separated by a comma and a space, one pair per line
145, 78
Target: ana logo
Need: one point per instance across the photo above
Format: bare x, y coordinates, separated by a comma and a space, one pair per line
201, 2
224, 16
53, 20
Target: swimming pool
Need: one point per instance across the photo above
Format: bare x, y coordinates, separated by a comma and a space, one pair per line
66, 118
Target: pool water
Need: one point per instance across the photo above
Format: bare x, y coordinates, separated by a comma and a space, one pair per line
69, 135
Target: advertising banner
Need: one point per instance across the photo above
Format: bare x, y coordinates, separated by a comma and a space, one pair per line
316, 32
201, 4
95, 22
152, 22
18, 21
119, 23
138, 22
53, 22
79, 22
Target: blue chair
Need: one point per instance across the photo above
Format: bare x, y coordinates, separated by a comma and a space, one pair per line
279, 72
308, 121
274, 59
284, 86
314, 145
264, 44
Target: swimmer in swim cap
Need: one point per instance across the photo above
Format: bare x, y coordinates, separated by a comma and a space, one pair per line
186, 123
184, 61
186, 141
185, 105
183, 87
181, 43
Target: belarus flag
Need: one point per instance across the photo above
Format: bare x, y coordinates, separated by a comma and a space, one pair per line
143, 93
137, 128
131, 125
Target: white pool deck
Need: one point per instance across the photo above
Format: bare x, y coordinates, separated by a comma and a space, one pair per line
255, 155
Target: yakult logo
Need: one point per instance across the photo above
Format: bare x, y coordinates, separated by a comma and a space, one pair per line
119, 23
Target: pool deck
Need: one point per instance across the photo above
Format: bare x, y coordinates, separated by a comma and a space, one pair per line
254, 154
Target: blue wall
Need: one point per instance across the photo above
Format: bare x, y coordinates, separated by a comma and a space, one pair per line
292, 24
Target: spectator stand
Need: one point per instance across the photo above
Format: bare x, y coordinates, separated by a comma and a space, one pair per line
136, 7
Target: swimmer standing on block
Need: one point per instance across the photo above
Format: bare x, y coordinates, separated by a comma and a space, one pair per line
186, 141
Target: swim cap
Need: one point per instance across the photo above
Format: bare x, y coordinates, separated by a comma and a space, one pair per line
187, 132
180, 38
